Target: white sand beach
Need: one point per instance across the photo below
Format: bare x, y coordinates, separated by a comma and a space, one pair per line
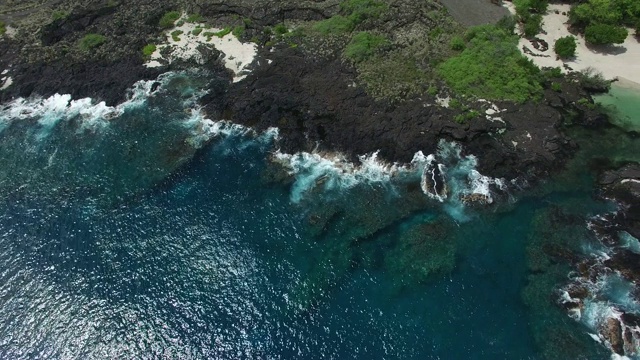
618, 61
237, 55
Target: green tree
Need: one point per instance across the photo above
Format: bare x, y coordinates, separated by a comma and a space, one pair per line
603, 34
565, 47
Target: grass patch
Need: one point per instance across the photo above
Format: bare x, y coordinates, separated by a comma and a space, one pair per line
148, 49
169, 19
363, 45
196, 31
238, 31
222, 33
280, 29
492, 67
3, 28
352, 13
194, 18
360, 10
59, 14
91, 41
337, 24
175, 35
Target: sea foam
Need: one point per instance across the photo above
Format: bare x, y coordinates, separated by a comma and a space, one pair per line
446, 176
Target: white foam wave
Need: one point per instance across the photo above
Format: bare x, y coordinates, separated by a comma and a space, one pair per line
446, 169
332, 171
92, 114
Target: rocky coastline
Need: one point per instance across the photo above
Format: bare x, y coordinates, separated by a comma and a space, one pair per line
315, 102
318, 104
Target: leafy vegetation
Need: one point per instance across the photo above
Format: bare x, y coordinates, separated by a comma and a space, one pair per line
91, 41
175, 35
565, 47
196, 31
530, 13
337, 24
238, 31
59, 14
148, 50
3, 28
593, 80
610, 12
363, 45
603, 34
360, 10
280, 29
352, 14
224, 32
169, 19
466, 116
194, 18
592, 14
492, 67
457, 43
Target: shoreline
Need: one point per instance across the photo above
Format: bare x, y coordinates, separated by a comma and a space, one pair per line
625, 83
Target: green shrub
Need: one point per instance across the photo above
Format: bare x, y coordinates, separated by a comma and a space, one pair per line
353, 12
565, 47
280, 29
603, 34
593, 80
530, 13
457, 43
492, 67
222, 33
556, 87
168, 19
507, 23
194, 18
238, 31
455, 104
533, 25
363, 45
59, 14
552, 73
175, 35
360, 10
337, 24
432, 90
196, 31
91, 41
148, 50
3, 28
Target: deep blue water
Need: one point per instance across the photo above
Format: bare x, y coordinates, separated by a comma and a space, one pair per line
133, 240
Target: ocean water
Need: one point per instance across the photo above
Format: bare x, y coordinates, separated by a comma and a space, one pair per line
147, 231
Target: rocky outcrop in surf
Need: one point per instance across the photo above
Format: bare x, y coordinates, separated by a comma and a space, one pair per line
604, 292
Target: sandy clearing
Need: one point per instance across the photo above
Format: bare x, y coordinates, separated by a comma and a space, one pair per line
622, 61
237, 55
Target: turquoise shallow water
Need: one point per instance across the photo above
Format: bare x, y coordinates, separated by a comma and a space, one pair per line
129, 238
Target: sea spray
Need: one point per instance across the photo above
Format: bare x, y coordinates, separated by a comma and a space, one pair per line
446, 176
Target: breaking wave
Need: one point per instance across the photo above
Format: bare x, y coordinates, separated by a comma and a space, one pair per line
446, 176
